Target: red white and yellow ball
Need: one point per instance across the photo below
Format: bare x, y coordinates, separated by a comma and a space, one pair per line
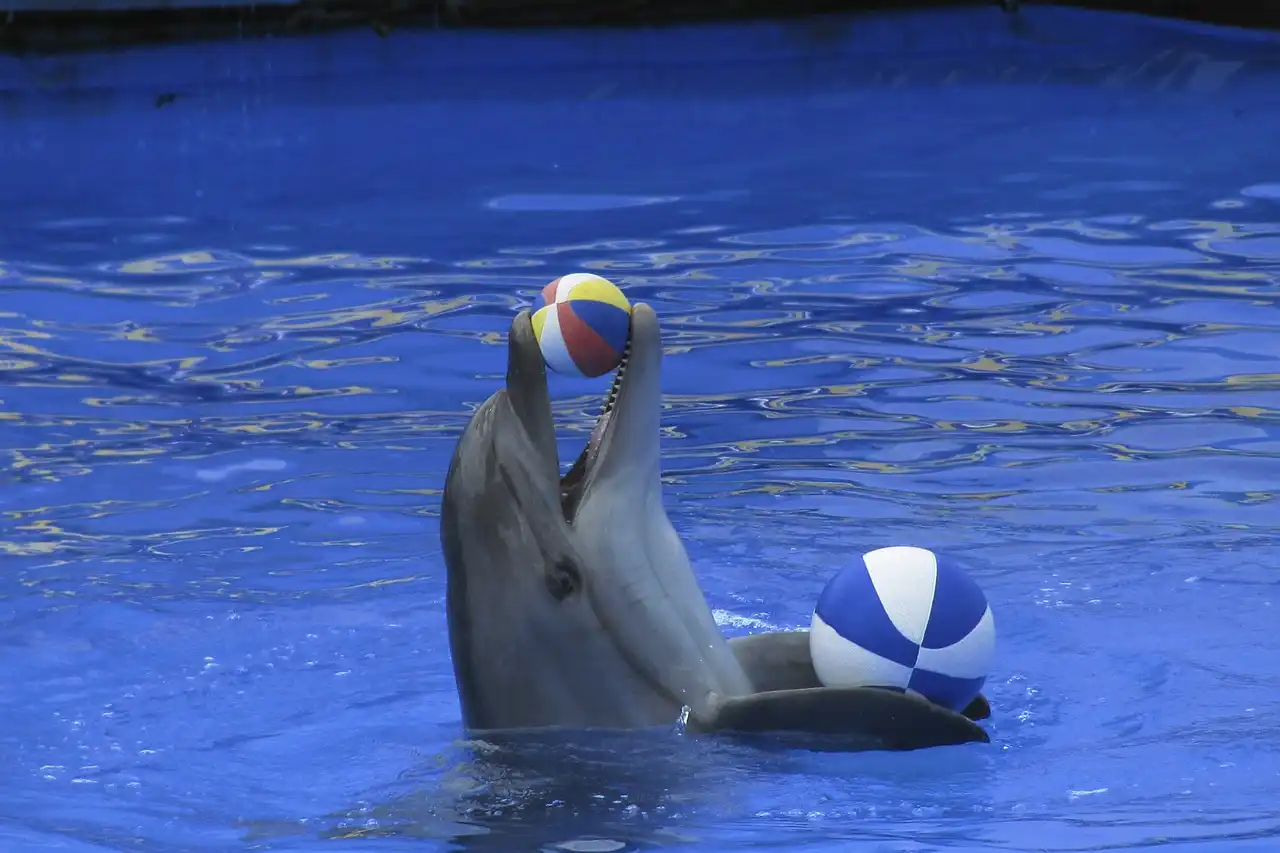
581, 322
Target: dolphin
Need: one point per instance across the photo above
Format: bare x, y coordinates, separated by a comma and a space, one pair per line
571, 601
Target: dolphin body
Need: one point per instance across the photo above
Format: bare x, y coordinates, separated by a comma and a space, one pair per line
571, 602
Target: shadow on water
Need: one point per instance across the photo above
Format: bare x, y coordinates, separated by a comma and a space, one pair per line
581, 792
597, 792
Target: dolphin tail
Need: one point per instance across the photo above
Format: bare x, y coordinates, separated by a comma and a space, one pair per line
780, 660
854, 717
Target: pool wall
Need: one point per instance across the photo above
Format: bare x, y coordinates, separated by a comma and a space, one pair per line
46, 26
890, 48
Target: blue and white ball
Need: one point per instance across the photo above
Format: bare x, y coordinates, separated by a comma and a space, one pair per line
907, 619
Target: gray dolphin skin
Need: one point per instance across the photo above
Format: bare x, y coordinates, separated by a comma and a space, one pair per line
571, 601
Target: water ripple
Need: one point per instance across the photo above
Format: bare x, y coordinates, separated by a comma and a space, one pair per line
224, 439
981, 357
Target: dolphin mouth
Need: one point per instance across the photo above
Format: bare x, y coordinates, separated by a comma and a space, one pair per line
530, 399
574, 484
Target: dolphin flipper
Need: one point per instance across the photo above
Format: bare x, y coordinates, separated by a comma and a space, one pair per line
779, 660
866, 717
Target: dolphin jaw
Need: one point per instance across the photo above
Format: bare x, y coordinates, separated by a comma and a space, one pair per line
526, 391
622, 412
624, 445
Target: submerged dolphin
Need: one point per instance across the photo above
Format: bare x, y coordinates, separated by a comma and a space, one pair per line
571, 601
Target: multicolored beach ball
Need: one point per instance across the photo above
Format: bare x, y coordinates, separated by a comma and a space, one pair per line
581, 322
907, 619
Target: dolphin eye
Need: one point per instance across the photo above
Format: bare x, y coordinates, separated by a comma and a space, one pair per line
564, 579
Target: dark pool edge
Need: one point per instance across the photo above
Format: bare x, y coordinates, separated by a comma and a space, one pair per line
943, 46
32, 27
61, 26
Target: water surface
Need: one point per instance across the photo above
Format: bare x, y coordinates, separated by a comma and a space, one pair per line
1011, 296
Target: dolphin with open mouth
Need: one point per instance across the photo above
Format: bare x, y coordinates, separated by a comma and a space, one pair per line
571, 601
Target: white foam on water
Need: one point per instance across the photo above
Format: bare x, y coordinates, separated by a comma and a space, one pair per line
567, 201
725, 619
1075, 795
216, 475
1262, 191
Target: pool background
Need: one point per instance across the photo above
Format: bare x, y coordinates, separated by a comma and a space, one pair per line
1005, 290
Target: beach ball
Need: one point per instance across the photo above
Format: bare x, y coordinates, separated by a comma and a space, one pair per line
582, 322
906, 619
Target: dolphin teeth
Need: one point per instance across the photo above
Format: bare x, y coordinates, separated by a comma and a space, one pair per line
571, 482
612, 396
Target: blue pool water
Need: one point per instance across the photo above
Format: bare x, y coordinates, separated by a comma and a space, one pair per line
1008, 291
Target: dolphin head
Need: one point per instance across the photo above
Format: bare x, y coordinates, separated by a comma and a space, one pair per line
571, 601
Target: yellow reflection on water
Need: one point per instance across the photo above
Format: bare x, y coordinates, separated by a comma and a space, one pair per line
168, 263
354, 361
378, 315
12, 339
700, 288
1253, 412
1211, 275
1252, 380
129, 451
